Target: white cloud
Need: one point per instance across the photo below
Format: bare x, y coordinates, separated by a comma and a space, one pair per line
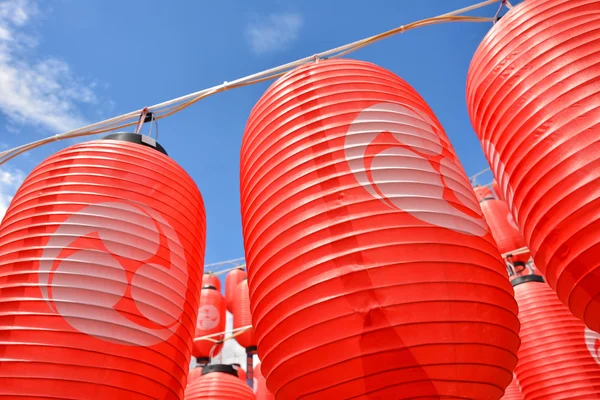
274, 32
10, 180
36, 91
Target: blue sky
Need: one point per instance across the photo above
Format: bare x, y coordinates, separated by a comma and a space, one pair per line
66, 63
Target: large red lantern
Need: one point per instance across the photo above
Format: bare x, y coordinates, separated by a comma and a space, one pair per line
101, 257
218, 381
211, 320
483, 193
210, 279
554, 358
233, 278
260, 385
513, 392
371, 269
532, 94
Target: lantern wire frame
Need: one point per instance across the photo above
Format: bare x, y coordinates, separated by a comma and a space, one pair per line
170, 107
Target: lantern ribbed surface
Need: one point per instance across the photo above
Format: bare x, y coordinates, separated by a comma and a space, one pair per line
218, 386
513, 392
371, 269
532, 94
212, 280
242, 316
502, 225
211, 320
231, 281
260, 386
554, 360
101, 258
483, 193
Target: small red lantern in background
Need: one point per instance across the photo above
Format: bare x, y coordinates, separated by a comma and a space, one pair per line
532, 94
504, 230
241, 318
513, 392
218, 381
556, 358
260, 385
497, 191
233, 278
211, 279
483, 193
365, 246
101, 257
211, 320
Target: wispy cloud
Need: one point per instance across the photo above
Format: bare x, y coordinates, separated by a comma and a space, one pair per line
10, 179
37, 91
274, 32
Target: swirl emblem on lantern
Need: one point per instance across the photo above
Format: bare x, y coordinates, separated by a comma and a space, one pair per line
208, 317
125, 261
417, 144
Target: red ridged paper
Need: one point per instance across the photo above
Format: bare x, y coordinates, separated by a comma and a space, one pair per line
554, 359
101, 257
513, 392
218, 386
532, 94
497, 191
371, 269
211, 320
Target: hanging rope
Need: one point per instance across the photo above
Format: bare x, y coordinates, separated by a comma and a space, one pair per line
173, 106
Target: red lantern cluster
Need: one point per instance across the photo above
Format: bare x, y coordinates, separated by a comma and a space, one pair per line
101, 255
234, 277
218, 381
371, 269
210, 321
556, 359
532, 94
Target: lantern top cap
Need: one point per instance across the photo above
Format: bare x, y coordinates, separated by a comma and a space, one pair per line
223, 368
137, 139
209, 287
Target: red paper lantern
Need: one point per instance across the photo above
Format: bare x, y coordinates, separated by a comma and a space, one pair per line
497, 191
371, 269
233, 278
218, 381
513, 392
554, 359
483, 193
242, 316
240, 372
101, 254
211, 320
260, 386
532, 93
210, 279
